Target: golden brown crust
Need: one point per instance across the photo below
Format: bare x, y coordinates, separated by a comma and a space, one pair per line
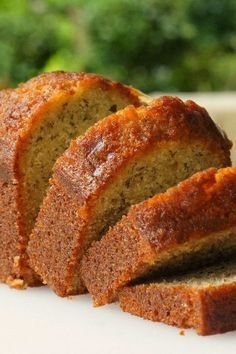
200, 206
210, 310
92, 162
111, 143
20, 109
218, 309
173, 305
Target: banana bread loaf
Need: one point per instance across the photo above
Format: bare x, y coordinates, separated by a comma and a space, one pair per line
123, 159
204, 300
37, 121
191, 224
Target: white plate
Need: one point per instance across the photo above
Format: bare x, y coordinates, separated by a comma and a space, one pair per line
35, 321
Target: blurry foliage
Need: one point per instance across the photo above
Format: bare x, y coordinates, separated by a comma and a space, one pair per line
166, 45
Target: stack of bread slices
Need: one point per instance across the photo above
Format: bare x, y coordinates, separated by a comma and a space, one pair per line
133, 199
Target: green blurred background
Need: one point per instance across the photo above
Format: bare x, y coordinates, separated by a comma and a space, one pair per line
155, 45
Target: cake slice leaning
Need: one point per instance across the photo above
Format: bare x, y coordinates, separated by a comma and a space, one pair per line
123, 159
37, 122
189, 225
204, 300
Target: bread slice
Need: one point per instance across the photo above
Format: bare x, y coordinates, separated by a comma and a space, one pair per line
37, 122
191, 224
204, 300
122, 160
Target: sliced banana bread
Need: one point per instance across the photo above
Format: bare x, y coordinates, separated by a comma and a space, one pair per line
123, 159
204, 300
189, 225
37, 122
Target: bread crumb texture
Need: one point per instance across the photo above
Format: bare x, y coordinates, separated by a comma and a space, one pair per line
120, 161
190, 225
37, 121
203, 299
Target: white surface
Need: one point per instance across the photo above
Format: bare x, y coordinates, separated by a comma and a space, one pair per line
35, 321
